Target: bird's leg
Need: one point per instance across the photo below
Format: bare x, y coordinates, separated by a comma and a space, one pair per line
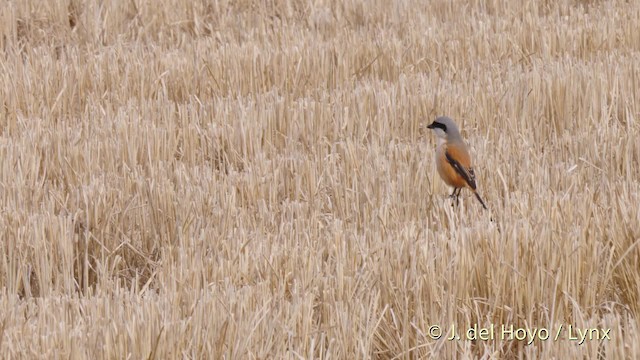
454, 196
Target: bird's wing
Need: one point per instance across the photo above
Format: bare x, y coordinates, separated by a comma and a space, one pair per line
467, 173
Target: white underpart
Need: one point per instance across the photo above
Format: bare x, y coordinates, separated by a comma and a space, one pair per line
440, 133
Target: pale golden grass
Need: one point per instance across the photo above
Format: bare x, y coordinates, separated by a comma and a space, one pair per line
252, 179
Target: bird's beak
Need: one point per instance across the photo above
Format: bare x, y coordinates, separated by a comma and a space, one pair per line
431, 126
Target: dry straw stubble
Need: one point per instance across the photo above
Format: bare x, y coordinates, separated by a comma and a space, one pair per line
250, 179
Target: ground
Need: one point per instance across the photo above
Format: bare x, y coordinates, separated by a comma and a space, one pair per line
254, 179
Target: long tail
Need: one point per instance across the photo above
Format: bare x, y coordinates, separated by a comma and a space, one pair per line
480, 199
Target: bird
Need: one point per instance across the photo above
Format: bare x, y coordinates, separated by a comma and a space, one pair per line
452, 158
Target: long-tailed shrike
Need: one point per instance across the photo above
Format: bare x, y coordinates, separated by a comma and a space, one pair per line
452, 158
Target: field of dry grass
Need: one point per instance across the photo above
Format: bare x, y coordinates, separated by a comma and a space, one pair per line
252, 179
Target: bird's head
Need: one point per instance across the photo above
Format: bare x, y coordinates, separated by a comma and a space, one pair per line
444, 128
